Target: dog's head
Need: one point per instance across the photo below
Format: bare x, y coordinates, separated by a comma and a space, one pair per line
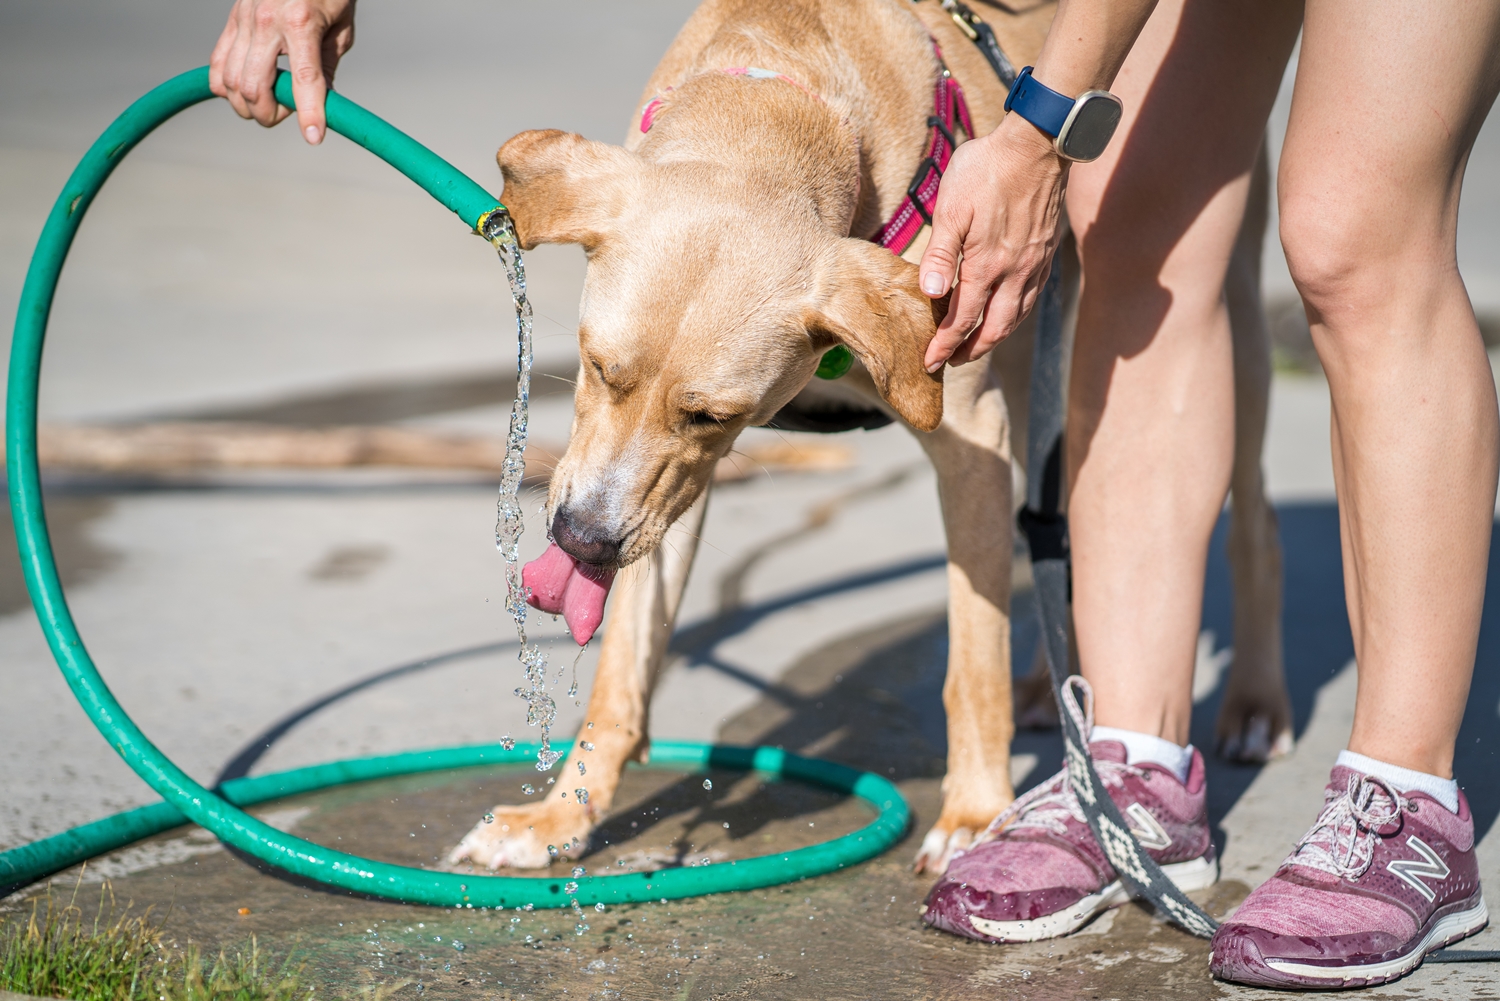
708, 302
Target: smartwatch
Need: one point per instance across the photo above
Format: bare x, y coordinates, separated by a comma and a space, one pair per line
1080, 129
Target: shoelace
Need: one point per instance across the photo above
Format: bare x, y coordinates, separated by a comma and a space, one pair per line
1342, 840
1051, 804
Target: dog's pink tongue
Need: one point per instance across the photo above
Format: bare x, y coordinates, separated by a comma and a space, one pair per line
559, 583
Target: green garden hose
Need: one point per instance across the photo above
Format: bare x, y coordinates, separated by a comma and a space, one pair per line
184, 799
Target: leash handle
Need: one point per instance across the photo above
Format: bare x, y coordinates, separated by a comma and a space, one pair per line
1046, 531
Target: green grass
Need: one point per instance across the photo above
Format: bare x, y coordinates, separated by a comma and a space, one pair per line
60, 951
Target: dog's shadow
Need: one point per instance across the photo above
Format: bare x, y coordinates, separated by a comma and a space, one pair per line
873, 700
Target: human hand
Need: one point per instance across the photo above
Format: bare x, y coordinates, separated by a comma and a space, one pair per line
997, 208
314, 34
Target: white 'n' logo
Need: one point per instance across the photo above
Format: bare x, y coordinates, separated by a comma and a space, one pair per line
1147, 829
1414, 871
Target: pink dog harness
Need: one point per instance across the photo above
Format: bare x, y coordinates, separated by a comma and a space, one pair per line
950, 113
915, 210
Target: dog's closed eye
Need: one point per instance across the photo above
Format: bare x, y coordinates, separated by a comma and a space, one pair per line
703, 418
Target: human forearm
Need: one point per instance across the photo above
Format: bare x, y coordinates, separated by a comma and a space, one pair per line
1088, 42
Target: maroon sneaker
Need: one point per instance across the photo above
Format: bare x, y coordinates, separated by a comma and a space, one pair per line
1041, 874
1382, 879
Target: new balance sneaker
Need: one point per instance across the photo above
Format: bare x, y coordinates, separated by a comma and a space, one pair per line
1041, 873
1382, 879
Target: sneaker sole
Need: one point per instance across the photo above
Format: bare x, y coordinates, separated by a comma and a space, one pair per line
1195, 874
1445, 931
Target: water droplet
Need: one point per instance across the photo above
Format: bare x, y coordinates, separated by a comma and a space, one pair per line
459, 946
585, 744
590, 726
599, 907
489, 818
578, 871
529, 907
580, 928
1025, 974
582, 794
570, 887
582, 770
509, 743
708, 783
527, 788
705, 861
552, 850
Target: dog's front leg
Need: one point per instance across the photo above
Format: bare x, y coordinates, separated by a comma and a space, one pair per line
646, 598
971, 452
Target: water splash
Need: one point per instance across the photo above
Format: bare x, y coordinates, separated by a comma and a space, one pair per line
510, 522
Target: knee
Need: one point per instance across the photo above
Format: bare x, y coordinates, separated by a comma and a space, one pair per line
1327, 253
1351, 251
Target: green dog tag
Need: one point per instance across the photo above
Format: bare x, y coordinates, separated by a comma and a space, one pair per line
836, 361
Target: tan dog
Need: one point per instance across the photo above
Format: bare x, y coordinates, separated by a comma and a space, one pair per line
728, 250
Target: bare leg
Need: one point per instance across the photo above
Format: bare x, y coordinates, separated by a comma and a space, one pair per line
1369, 200
646, 599
1255, 718
1151, 409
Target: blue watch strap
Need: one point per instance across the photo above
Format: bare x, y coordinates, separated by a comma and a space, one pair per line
1038, 104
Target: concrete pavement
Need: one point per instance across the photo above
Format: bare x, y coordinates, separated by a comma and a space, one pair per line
230, 270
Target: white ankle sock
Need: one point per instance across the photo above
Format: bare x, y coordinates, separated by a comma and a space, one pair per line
1141, 748
1445, 791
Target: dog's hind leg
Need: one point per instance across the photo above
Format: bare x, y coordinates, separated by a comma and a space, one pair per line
647, 595
1255, 718
971, 452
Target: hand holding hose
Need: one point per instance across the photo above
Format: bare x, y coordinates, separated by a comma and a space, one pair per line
998, 209
314, 35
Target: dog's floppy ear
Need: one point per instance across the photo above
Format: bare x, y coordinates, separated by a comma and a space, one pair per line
563, 188
868, 300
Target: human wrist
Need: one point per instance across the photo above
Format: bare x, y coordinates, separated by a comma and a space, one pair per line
1029, 144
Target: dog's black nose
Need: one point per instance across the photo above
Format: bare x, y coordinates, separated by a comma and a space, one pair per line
579, 543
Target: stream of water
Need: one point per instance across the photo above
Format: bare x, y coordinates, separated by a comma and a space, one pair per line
541, 710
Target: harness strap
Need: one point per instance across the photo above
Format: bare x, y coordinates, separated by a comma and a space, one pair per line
950, 113
983, 37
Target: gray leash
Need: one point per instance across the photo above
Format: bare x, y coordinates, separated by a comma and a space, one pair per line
1046, 529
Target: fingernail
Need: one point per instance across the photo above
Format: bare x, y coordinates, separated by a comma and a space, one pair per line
933, 284
314, 135
934, 367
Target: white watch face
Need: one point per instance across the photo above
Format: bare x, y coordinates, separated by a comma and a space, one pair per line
1090, 126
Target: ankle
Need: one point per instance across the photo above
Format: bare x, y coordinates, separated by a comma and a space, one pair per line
1445, 791
1146, 748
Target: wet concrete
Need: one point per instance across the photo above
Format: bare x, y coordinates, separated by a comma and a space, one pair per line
862, 699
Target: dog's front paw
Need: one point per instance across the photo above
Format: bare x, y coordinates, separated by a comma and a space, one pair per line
527, 837
939, 847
